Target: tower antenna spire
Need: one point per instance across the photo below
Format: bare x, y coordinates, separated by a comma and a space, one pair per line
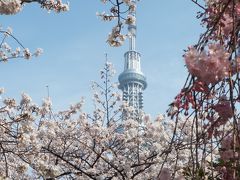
48, 94
132, 28
106, 57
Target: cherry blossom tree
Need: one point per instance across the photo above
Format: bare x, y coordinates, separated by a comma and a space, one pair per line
210, 97
38, 143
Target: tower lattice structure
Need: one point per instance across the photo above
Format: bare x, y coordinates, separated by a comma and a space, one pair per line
132, 81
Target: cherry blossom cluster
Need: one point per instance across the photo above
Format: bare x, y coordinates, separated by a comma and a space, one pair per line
115, 38
209, 66
88, 149
7, 52
184, 100
123, 12
18, 135
9, 7
222, 16
55, 5
227, 156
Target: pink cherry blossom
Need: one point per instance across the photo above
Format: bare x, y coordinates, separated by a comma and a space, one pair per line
209, 66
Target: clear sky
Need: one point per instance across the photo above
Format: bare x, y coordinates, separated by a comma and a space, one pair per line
74, 45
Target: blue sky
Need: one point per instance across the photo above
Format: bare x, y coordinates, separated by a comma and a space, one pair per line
74, 45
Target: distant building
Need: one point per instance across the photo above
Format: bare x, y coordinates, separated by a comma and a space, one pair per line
132, 80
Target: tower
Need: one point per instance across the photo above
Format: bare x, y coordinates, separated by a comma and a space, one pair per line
132, 80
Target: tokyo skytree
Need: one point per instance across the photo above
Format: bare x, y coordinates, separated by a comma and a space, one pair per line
132, 81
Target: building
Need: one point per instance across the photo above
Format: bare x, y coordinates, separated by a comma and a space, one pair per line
132, 81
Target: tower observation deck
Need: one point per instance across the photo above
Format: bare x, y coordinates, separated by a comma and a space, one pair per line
132, 81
